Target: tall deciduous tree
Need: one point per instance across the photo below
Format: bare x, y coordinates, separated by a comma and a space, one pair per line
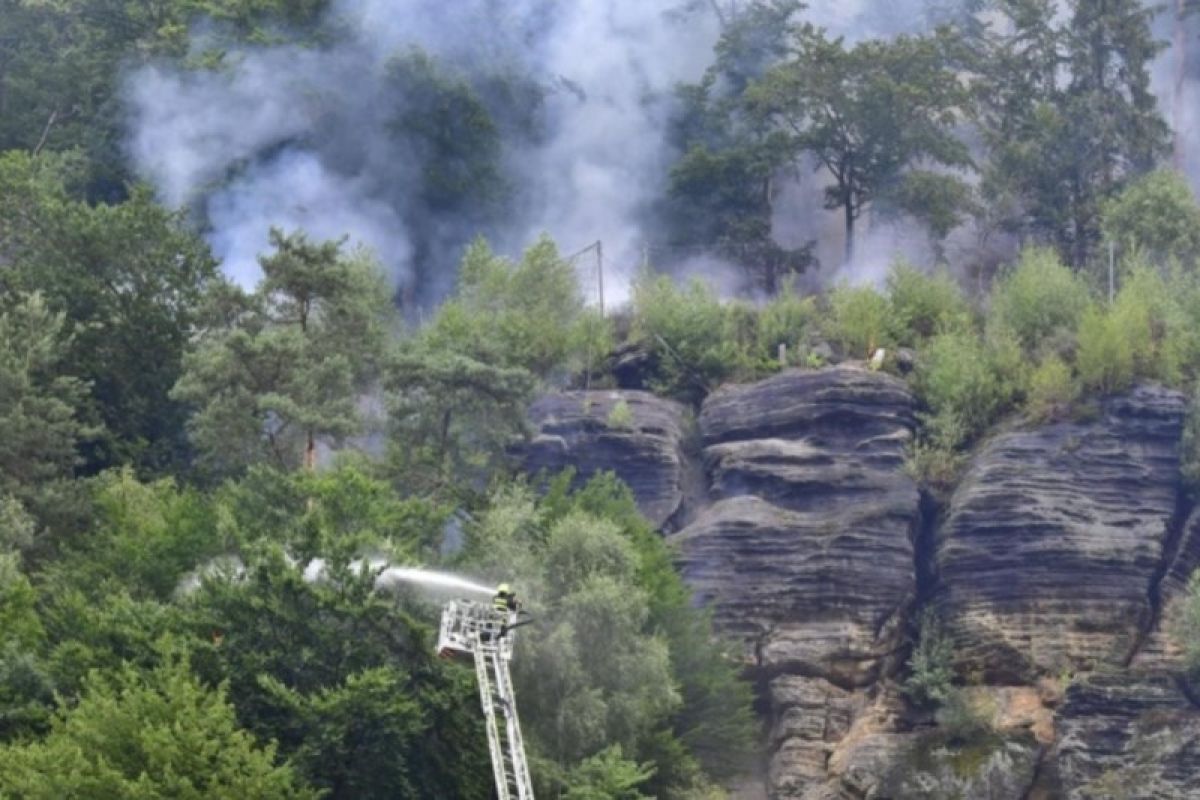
346, 681
877, 117
289, 364
722, 191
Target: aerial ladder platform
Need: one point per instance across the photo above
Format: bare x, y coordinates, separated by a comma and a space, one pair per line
486, 634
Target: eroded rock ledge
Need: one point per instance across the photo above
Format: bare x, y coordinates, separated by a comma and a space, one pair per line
807, 551
641, 443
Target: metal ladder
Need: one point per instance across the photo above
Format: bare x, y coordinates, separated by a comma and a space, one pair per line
486, 634
504, 738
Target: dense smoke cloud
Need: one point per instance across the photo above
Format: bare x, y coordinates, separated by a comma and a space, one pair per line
302, 137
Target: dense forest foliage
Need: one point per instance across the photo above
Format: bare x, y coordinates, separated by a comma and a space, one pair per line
175, 447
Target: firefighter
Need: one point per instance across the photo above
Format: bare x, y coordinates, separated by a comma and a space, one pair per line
505, 601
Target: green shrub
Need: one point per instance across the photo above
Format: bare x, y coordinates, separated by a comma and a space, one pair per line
923, 305
965, 718
620, 416
527, 314
1052, 389
1037, 299
859, 320
1157, 215
1160, 322
690, 332
931, 671
1182, 343
934, 466
1105, 359
786, 319
966, 384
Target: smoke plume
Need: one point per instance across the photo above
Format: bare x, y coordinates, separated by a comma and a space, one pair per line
305, 137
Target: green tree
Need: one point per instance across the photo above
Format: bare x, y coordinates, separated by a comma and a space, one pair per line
966, 383
1157, 215
288, 369
619, 655
691, 334
526, 315
1039, 300
723, 189
147, 536
1106, 356
451, 418
607, 776
787, 319
147, 735
859, 320
341, 511
1052, 389
344, 679
1069, 117
130, 279
875, 116
40, 429
922, 305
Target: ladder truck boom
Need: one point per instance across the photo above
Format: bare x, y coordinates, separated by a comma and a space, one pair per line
486, 634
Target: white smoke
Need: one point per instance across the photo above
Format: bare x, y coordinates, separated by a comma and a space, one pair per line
299, 137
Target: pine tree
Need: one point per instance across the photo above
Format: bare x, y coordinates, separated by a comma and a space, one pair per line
290, 361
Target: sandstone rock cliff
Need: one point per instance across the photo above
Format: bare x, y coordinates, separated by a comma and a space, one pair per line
1052, 568
1046, 560
807, 551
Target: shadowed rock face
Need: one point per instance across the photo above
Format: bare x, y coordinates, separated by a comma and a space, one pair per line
806, 551
580, 430
1047, 558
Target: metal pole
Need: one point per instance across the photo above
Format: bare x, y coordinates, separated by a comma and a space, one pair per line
1112, 257
600, 273
1181, 40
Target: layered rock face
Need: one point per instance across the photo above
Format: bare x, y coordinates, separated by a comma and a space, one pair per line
807, 549
1129, 735
1053, 539
1052, 569
634, 434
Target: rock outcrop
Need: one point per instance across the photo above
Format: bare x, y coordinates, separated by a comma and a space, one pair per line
1053, 570
807, 550
634, 434
1047, 558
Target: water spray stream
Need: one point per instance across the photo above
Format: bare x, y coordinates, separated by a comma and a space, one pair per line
392, 578
430, 580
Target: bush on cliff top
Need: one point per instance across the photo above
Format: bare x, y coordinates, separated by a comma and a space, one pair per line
1037, 299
